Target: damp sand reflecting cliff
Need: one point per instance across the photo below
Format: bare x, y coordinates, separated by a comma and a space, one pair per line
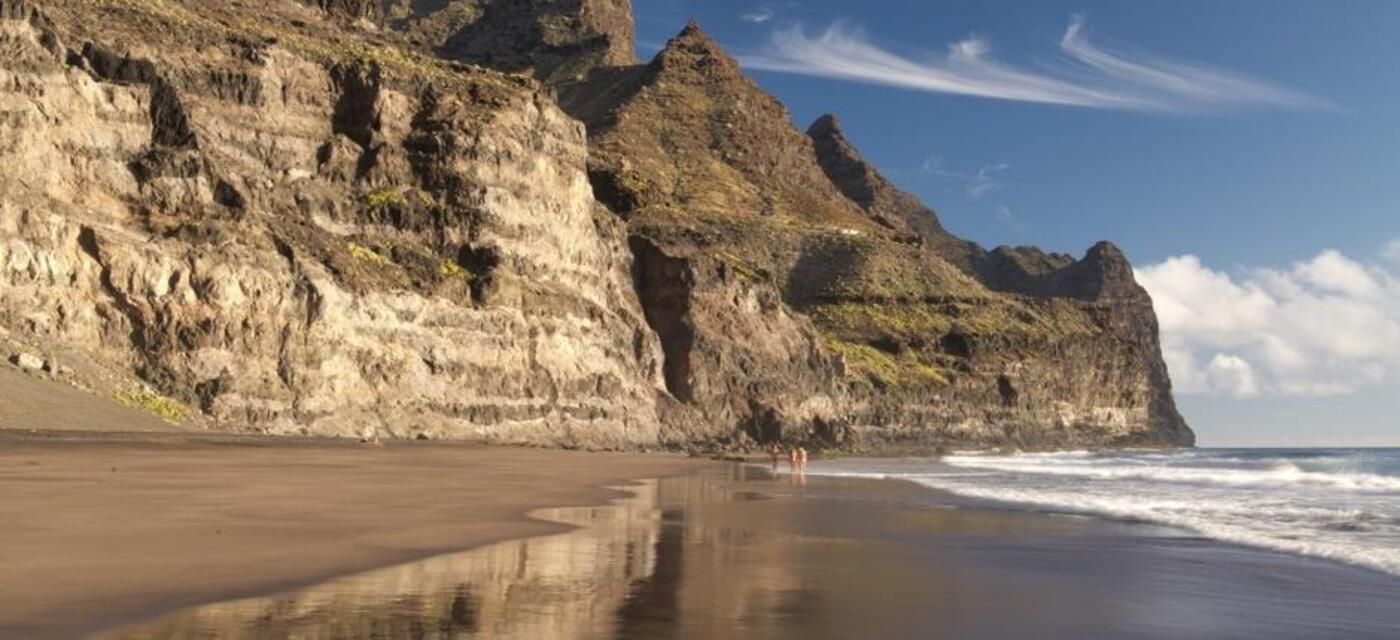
739, 554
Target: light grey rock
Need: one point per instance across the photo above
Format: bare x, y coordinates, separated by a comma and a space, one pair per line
27, 361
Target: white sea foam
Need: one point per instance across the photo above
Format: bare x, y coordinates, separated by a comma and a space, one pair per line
1279, 473
1281, 529
1336, 504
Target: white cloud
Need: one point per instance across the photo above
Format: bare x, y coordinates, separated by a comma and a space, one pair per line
1082, 75
1187, 82
1231, 374
1392, 251
1328, 325
757, 16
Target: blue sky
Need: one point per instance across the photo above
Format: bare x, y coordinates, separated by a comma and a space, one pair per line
1245, 154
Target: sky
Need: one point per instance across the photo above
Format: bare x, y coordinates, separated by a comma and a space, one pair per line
1244, 154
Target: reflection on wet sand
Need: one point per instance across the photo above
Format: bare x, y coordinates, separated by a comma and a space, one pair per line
605, 579
688, 557
733, 555
562, 586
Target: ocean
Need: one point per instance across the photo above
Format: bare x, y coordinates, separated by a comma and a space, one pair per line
1338, 504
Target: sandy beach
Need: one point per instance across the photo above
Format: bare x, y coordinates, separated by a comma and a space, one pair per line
34, 404
732, 552
98, 530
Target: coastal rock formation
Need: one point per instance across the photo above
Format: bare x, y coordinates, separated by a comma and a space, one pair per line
288, 229
1126, 356
482, 219
557, 41
931, 347
859, 181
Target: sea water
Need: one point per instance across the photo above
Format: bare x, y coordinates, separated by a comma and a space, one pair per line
1340, 504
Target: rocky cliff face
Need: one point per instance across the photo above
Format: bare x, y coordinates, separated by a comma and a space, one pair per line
311, 217
931, 346
1127, 356
291, 230
859, 181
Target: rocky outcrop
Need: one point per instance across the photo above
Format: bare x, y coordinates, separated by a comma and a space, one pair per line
325, 216
1033, 402
708, 170
859, 181
310, 234
1105, 271
754, 370
557, 41
348, 9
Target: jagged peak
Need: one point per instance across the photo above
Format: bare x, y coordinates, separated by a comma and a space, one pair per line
828, 124
1032, 252
843, 163
860, 181
827, 129
1105, 251
695, 45
1111, 266
693, 30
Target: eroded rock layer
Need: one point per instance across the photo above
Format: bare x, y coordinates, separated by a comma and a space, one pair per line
294, 230
918, 338
482, 219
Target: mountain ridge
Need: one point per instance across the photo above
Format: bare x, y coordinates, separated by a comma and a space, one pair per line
422, 245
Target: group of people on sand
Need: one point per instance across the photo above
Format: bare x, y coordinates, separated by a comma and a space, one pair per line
797, 457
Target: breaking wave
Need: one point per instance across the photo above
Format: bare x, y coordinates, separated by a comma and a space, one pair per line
1342, 505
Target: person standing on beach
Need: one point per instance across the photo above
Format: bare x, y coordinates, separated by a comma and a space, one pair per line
792, 459
801, 459
773, 452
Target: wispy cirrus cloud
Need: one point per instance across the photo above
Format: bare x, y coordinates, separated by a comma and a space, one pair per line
759, 15
985, 180
1081, 73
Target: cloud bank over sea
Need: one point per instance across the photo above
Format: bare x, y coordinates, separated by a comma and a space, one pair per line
1327, 325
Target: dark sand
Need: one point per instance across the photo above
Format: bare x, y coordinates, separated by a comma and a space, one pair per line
740, 556
28, 402
98, 530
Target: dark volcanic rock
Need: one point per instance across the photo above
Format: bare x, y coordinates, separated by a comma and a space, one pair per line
691, 133
557, 41
709, 170
1102, 281
1025, 270
864, 185
350, 9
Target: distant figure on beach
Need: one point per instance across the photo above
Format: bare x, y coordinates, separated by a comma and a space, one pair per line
792, 459
801, 459
774, 452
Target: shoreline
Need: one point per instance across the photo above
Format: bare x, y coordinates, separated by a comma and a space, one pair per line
1158, 505
102, 530
580, 521
733, 548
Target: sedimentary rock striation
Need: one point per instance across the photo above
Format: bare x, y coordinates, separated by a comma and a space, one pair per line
483, 219
293, 230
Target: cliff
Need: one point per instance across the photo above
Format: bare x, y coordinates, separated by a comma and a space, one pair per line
481, 219
930, 346
282, 226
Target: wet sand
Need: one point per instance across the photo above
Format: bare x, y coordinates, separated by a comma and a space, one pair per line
736, 554
99, 530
